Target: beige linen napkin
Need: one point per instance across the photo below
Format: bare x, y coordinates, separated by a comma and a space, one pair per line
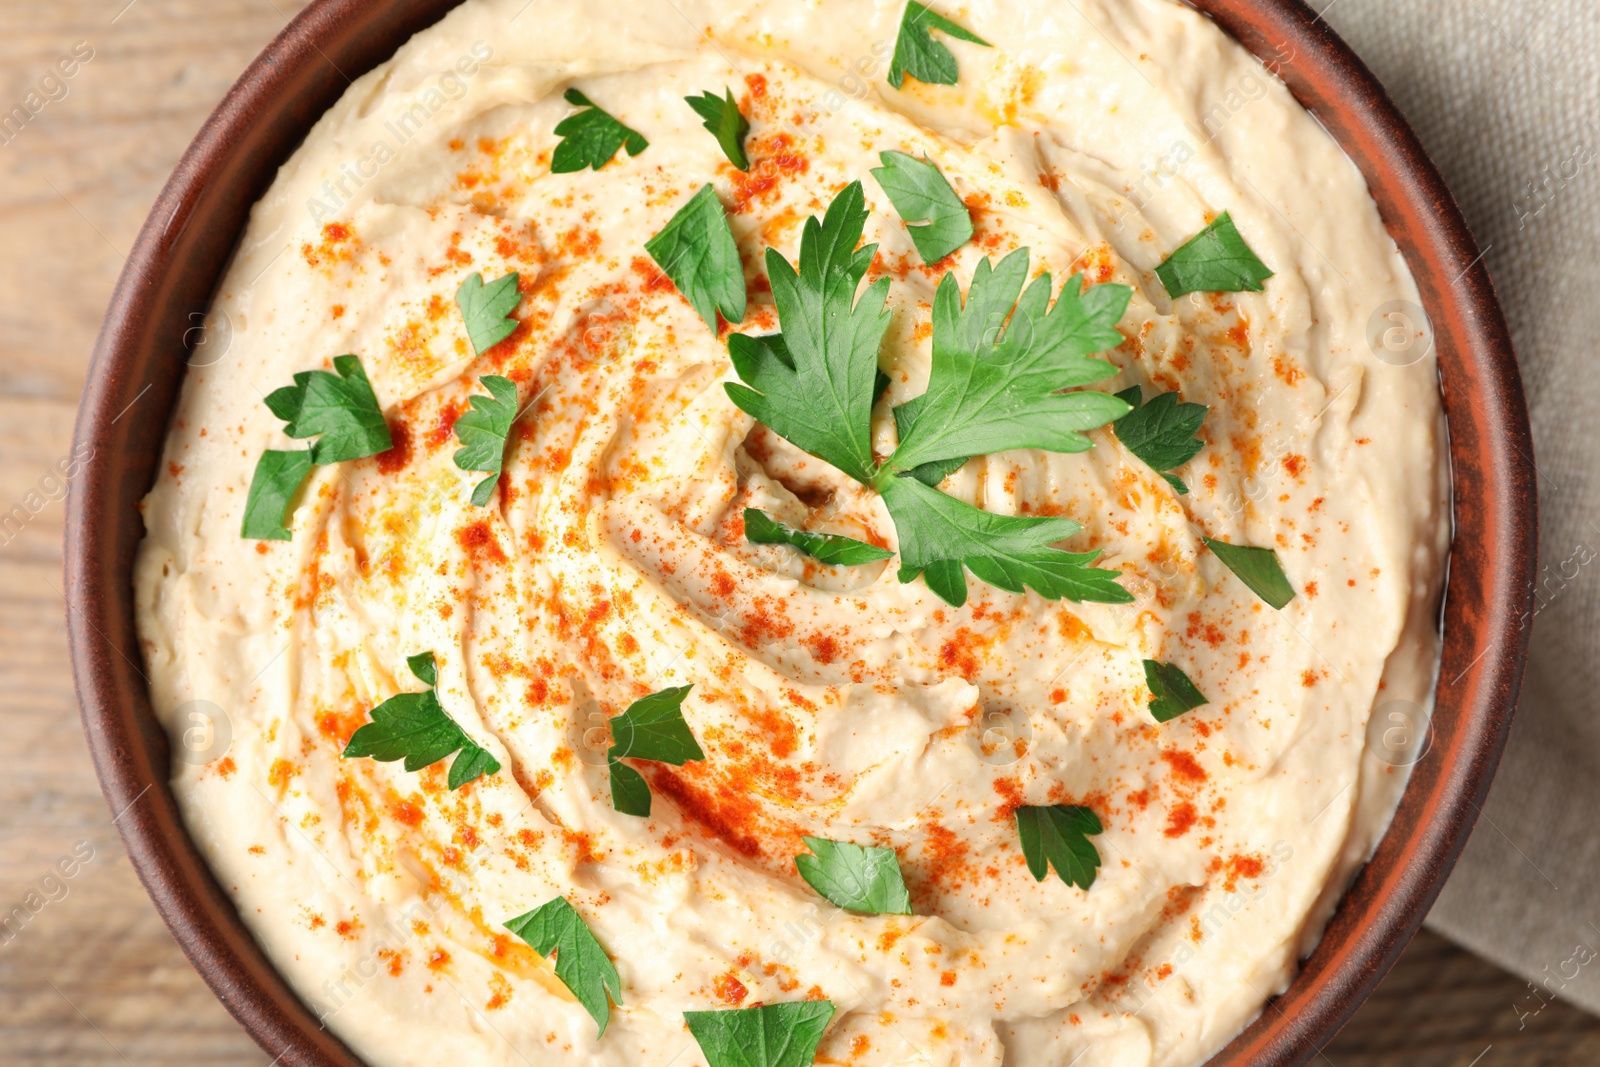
1506, 96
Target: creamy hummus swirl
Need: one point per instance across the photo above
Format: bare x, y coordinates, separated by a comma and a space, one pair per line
834, 702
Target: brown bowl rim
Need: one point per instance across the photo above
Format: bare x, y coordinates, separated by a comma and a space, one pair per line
184, 246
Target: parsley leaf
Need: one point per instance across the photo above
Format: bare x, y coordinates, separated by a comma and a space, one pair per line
939, 535
1257, 568
630, 793
1171, 691
1215, 260
277, 479
773, 1035
1161, 433
861, 878
1058, 836
483, 431
653, 729
415, 728
995, 372
922, 194
814, 386
725, 122
591, 137
916, 52
936, 471
425, 668
760, 528
487, 309
474, 762
581, 964
990, 389
696, 250
341, 407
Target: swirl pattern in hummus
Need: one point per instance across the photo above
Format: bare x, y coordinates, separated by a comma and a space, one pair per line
830, 702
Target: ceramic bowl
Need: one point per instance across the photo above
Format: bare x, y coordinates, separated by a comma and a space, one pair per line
145, 346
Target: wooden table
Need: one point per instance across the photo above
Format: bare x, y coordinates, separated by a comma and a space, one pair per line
94, 978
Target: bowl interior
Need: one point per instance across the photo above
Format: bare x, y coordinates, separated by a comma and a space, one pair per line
191, 232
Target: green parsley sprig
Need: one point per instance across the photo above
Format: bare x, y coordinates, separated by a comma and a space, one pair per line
941, 536
1215, 260
935, 217
1161, 433
725, 122
1058, 836
814, 386
591, 136
415, 728
338, 408
482, 432
581, 964
278, 477
696, 250
1171, 691
771, 1035
862, 878
999, 365
341, 411
653, 728
833, 549
916, 52
1257, 568
486, 309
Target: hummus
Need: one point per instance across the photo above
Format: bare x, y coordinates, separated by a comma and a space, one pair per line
834, 702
